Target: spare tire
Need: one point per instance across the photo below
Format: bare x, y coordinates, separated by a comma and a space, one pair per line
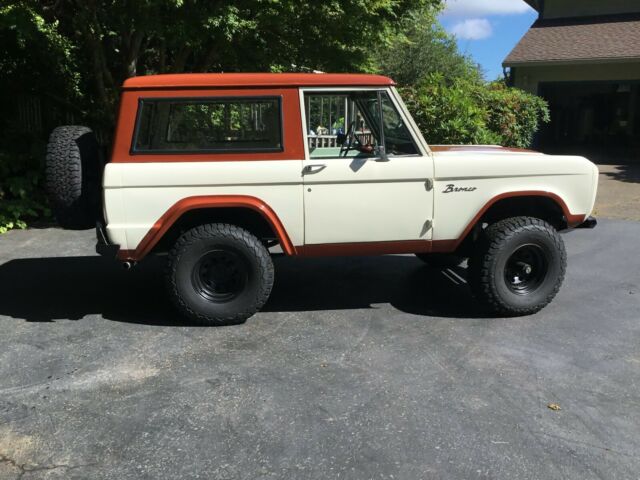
73, 176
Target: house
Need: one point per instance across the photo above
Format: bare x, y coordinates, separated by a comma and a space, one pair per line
583, 57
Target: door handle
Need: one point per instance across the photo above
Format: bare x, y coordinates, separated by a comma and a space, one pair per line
311, 169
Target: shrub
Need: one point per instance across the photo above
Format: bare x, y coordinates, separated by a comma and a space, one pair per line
472, 112
36, 62
22, 196
447, 114
514, 115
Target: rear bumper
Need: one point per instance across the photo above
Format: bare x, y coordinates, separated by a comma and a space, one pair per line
103, 246
590, 222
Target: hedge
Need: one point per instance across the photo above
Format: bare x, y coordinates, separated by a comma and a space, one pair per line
475, 113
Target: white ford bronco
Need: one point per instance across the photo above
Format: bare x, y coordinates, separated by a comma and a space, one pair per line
221, 171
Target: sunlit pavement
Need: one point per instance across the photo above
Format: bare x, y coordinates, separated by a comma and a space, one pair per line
358, 368
619, 192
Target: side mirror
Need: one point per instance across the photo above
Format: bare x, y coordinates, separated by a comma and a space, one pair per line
381, 153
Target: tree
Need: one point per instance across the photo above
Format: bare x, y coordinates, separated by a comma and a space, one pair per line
421, 47
117, 39
36, 63
34, 56
445, 91
69, 57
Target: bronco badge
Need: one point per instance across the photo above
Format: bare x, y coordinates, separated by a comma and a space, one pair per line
451, 188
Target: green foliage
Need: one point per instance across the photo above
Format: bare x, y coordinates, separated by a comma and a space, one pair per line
117, 39
447, 114
71, 57
513, 114
21, 193
465, 112
420, 47
35, 60
34, 56
445, 91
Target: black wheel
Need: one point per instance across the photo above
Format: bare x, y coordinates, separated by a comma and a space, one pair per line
73, 176
518, 266
219, 274
441, 260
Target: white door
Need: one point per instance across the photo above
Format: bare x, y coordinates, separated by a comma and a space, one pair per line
366, 178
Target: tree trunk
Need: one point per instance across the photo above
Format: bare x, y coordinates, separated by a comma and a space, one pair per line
207, 63
133, 52
162, 54
181, 59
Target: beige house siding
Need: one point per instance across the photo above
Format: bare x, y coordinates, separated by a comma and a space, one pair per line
528, 78
573, 8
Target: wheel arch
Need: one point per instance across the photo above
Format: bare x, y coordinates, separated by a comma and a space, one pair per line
247, 212
546, 206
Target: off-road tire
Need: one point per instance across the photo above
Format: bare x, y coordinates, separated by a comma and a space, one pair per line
73, 176
497, 247
184, 265
440, 260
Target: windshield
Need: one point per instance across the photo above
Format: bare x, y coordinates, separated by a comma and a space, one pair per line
397, 138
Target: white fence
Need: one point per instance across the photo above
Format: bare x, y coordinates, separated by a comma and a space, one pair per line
331, 141
323, 141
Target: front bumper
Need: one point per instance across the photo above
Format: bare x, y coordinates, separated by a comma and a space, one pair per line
103, 246
590, 222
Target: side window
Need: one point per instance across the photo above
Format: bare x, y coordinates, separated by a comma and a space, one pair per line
221, 124
338, 124
355, 124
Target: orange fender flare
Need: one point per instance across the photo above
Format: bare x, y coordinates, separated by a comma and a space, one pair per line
164, 223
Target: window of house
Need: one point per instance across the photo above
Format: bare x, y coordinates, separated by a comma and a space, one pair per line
221, 124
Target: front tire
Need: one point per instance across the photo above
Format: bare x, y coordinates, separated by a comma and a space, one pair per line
219, 274
518, 266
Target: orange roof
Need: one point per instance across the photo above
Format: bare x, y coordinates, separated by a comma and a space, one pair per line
191, 80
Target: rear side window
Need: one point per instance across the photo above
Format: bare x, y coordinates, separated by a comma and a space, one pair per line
218, 124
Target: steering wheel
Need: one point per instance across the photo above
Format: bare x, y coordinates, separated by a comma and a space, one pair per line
352, 141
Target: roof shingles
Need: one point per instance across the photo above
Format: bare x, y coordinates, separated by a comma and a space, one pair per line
584, 39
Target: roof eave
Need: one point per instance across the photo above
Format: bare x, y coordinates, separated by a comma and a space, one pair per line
563, 62
535, 4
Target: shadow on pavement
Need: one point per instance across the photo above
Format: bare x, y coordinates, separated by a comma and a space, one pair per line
47, 289
625, 173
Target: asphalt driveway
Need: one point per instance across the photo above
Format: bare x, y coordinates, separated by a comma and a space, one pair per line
357, 369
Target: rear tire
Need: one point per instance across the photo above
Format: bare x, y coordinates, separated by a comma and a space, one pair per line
219, 274
518, 266
73, 176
